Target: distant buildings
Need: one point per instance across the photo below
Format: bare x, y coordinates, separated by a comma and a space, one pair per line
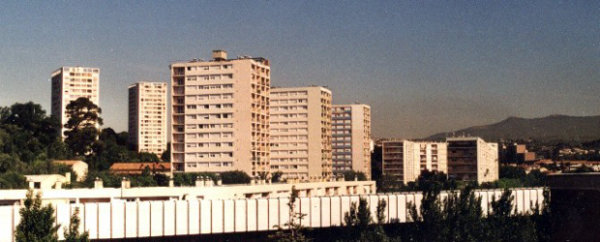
69, 84
300, 132
148, 117
405, 159
220, 115
224, 117
136, 168
516, 153
472, 159
352, 138
463, 158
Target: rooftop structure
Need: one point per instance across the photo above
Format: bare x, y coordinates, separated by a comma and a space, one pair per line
136, 168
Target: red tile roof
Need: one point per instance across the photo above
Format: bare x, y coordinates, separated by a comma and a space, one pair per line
138, 167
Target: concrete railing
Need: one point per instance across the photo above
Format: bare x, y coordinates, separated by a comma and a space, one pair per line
120, 219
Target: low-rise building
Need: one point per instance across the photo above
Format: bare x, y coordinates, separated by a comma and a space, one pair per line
48, 181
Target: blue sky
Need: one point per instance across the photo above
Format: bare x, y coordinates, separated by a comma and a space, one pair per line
423, 66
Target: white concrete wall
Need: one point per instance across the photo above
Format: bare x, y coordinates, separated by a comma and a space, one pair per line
191, 217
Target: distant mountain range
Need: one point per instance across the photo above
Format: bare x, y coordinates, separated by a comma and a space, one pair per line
551, 128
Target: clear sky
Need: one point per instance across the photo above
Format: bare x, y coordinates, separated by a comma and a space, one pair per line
423, 66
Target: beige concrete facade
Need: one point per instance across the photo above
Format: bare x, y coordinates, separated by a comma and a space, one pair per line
148, 117
472, 159
203, 189
220, 115
406, 159
69, 84
352, 138
301, 132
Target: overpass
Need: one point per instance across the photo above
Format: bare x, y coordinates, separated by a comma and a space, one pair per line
120, 219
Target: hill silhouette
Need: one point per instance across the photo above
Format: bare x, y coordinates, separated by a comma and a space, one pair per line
550, 128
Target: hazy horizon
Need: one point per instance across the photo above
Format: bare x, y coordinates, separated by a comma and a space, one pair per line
424, 67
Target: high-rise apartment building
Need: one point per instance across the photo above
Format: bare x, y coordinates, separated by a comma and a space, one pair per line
69, 84
220, 115
352, 138
405, 159
301, 132
148, 116
472, 159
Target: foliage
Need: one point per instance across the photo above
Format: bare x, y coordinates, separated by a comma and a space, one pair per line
277, 177
429, 217
457, 218
37, 222
30, 141
81, 127
511, 176
189, 179
72, 232
359, 223
351, 175
293, 233
12, 180
389, 183
148, 178
166, 156
504, 218
228, 177
235, 177
542, 218
112, 147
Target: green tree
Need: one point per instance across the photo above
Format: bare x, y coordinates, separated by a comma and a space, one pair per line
504, 218
37, 222
72, 232
351, 175
82, 131
235, 177
59, 150
292, 230
276, 176
359, 223
542, 218
31, 117
12, 180
166, 156
507, 171
357, 220
464, 216
430, 216
147, 157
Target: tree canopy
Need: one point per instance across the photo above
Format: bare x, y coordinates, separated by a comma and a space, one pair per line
81, 131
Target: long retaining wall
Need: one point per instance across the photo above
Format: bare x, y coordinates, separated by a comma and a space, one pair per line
119, 219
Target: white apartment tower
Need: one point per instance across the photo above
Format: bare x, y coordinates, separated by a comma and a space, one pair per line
352, 138
472, 159
148, 116
301, 132
405, 159
220, 115
69, 84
